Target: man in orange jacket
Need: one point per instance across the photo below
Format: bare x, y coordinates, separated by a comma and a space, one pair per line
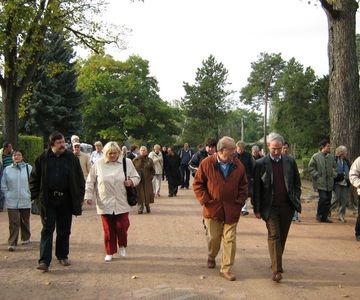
221, 187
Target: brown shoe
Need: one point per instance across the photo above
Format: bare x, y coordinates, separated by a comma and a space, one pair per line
211, 264
276, 276
228, 275
43, 267
65, 262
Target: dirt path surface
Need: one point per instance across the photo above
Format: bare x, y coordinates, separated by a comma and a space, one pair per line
166, 259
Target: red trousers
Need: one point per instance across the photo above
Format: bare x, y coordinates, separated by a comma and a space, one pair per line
115, 231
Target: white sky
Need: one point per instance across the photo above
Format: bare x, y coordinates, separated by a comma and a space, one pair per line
175, 36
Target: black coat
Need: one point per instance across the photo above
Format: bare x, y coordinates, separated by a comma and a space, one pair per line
172, 169
263, 184
39, 186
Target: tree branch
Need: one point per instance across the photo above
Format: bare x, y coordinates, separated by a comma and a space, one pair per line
335, 13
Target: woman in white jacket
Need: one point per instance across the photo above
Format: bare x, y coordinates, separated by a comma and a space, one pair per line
15, 186
354, 177
106, 184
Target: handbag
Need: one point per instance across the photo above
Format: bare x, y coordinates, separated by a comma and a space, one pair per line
131, 193
34, 208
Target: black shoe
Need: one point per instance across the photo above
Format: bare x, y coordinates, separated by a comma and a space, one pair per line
148, 210
326, 221
43, 267
171, 195
244, 213
358, 238
65, 262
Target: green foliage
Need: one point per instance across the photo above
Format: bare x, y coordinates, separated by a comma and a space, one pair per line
31, 147
206, 102
300, 113
252, 120
122, 96
52, 102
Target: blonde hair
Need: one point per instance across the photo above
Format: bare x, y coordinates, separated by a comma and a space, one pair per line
111, 147
98, 143
340, 150
157, 147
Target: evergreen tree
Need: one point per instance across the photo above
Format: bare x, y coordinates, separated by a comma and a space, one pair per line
52, 102
205, 103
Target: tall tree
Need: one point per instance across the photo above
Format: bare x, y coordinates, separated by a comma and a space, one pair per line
261, 88
23, 28
206, 101
123, 97
344, 100
53, 102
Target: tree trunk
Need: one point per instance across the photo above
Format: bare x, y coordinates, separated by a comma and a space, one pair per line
11, 103
344, 100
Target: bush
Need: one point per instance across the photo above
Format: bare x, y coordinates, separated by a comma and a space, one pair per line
31, 146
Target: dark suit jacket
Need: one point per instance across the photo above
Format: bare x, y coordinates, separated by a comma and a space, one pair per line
263, 184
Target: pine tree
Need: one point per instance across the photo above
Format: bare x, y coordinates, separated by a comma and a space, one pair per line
52, 102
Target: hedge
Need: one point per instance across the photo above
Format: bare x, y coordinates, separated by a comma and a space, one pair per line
31, 147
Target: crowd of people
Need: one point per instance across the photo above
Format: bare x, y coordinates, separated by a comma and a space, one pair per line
225, 176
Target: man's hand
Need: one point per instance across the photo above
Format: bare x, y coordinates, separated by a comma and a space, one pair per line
88, 201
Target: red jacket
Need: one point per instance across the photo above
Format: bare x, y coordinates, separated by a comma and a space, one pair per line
222, 198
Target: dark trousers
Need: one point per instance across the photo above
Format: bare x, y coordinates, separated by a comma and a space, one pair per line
357, 226
278, 226
323, 205
185, 176
59, 217
173, 189
19, 219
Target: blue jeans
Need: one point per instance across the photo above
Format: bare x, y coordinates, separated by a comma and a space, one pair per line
59, 217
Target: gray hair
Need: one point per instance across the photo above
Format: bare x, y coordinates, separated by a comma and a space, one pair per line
225, 142
273, 136
340, 150
74, 138
255, 148
240, 143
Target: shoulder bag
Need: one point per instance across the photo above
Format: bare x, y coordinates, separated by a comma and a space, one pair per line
131, 193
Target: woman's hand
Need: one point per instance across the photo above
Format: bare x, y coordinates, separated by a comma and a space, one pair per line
128, 183
88, 201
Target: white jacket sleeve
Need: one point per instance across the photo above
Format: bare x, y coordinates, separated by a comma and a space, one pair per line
90, 184
354, 174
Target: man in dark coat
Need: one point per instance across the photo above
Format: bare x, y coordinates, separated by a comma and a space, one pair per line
210, 149
277, 190
248, 162
57, 186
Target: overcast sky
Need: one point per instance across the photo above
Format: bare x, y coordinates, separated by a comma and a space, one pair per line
175, 36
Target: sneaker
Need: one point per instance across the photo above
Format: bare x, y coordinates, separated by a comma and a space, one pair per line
25, 242
122, 252
244, 213
342, 220
11, 248
108, 258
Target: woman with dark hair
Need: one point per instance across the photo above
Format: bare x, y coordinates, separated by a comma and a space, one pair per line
15, 186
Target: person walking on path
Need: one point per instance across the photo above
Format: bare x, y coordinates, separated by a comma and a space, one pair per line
145, 167
354, 176
83, 158
5, 160
158, 161
106, 184
220, 185
185, 155
15, 186
342, 183
57, 186
248, 162
210, 149
172, 171
323, 169
277, 190
98, 153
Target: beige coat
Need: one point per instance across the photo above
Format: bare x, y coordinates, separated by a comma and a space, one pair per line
354, 174
158, 162
84, 163
105, 185
145, 168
